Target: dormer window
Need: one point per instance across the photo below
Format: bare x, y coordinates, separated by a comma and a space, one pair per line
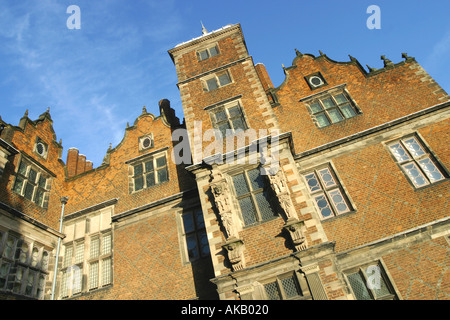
207, 53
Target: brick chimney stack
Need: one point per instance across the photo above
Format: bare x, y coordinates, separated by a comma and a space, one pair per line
72, 162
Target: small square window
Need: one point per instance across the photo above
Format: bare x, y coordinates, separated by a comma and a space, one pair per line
216, 81
149, 172
207, 53
228, 119
315, 80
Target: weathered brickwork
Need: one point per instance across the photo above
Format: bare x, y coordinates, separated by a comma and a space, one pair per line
160, 234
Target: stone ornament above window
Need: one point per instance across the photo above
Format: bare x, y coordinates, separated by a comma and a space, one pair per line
316, 80
146, 142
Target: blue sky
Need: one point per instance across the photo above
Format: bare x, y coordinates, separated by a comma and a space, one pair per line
98, 78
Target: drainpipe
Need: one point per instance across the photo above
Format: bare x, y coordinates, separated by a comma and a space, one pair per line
63, 201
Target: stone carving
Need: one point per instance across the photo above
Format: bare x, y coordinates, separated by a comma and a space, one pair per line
234, 249
293, 225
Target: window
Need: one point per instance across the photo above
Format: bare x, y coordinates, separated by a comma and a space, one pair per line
315, 80
287, 287
100, 266
253, 196
41, 148
32, 183
150, 172
23, 266
146, 142
207, 53
228, 119
371, 282
327, 192
217, 80
195, 234
417, 163
331, 108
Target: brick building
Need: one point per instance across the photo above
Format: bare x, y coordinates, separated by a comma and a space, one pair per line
348, 199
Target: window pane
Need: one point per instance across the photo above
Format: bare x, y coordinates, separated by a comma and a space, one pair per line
338, 201
23, 253
238, 124
224, 79
415, 175
272, 291
322, 120
161, 162
191, 241
30, 283
377, 282
399, 152
138, 170
162, 175
18, 185
248, 210
79, 253
315, 107
203, 54
290, 287
240, 185
106, 271
44, 263
224, 129
204, 246
39, 197
212, 84
42, 182
150, 179
256, 180
93, 275
265, 208
138, 183
199, 218
106, 247
431, 170
213, 51
77, 280
234, 112
188, 222
22, 168
414, 147
95, 248
328, 103
32, 175
220, 116
34, 257
323, 205
359, 286
68, 256
313, 183
335, 115
149, 166
340, 98
29, 188
327, 178
348, 111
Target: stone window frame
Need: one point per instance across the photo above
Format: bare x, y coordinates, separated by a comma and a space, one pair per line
416, 159
318, 75
361, 270
199, 230
77, 268
215, 79
299, 281
38, 145
229, 118
320, 108
141, 161
26, 262
267, 188
208, 51
24, 168
338, 186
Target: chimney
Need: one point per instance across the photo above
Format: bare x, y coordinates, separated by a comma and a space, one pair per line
263, 76
72, 162
81, 165
89, 165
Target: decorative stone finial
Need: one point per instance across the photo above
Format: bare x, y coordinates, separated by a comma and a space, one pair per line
204, 31
144, 110
387, 62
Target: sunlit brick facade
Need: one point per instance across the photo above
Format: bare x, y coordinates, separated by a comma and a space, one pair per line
339, 190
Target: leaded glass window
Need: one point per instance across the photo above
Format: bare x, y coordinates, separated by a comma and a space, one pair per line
150, 172
32, 183
207, 53
370, 282
327, 192
283, 288
195, 234
254, 197
216, 81
331, 108
417, 163
228, 119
